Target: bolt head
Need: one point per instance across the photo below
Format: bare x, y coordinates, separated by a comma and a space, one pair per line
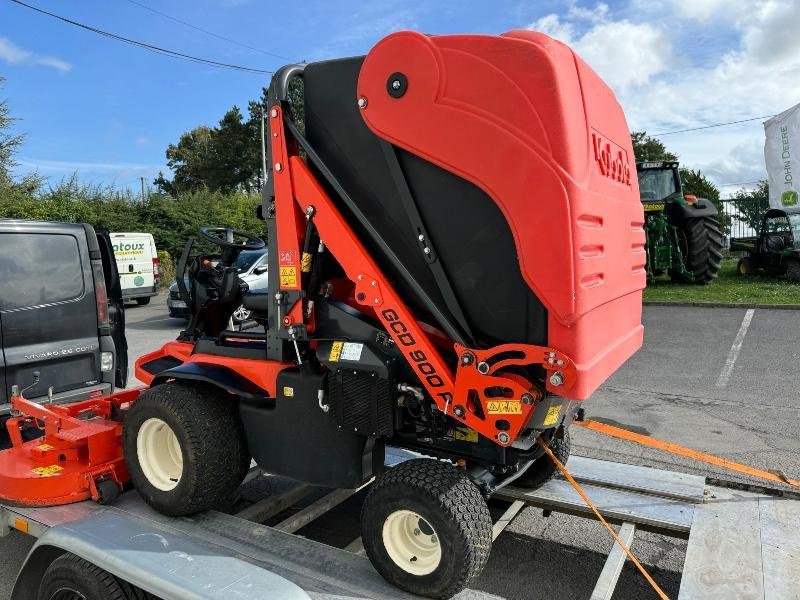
466, 358
362, 102
503, 437
556, 378
483, 368
459, 411
396, 85
427, 250
278, 167
377, 300
527, 399
374, 283
273, 113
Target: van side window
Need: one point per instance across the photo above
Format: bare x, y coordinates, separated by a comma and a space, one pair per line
46, 268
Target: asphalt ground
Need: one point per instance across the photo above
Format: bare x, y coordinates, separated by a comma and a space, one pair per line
675, 388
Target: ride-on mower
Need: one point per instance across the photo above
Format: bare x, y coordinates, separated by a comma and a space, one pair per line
456, 261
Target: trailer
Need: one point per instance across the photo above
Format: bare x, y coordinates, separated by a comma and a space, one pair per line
741, 543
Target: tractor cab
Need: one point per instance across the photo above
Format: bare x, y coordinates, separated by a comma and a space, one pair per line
776, 248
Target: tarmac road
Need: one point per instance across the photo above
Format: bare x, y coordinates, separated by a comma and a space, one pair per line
700, 380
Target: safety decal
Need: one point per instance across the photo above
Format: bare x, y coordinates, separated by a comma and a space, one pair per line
466, 435
44, 447
47, 471
503, 407
286, 257
336, 351
288, 276
551, 418
288, 392
351, 351
305, 262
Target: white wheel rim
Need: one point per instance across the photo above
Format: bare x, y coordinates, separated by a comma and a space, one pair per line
411, 542
241, 313
159, 454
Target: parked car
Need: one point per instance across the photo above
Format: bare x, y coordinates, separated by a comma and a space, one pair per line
62, 321
776, 248
137, 263
252, 265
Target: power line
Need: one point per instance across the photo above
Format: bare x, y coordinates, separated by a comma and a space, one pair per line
739, 183
710, 126
211, 33
150, 47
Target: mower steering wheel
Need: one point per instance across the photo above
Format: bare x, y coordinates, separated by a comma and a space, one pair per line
225, 237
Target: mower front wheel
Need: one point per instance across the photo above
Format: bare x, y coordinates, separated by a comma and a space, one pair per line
185, 447
426, 528
543, 468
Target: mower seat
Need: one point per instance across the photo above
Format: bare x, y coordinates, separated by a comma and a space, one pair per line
258, 302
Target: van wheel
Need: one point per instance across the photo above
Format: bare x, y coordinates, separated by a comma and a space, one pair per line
426, 528
70, 577
185, 447
143, 301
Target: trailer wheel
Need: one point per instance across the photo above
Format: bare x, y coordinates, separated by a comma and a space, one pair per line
70, 577
745, 266
543, 468
793, 271
702, 246
185, 447
426, 528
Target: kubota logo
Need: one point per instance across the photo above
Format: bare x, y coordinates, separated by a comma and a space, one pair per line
612, 160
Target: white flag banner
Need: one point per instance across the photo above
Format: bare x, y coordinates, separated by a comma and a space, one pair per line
782, 155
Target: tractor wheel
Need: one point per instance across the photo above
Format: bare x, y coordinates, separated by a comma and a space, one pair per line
702, 249
426, 528
543, 468
70, 576
745, 266
793, 271
185, 447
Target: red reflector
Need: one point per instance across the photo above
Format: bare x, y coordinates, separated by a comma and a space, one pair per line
690, 198
96, 393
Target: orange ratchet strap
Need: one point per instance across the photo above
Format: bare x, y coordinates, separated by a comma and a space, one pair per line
644, 440
589, 503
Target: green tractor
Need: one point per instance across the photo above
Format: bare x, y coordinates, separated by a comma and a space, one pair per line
684, 238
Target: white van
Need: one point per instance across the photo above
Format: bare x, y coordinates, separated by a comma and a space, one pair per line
137, 263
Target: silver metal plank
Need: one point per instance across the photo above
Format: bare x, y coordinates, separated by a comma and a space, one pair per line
506, 518
270, 506
723, 557
316, 509
673, 517
356, 546
609, 576
780, 548
668, 484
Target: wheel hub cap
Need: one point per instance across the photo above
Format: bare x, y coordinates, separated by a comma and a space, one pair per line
411, 542
159, 454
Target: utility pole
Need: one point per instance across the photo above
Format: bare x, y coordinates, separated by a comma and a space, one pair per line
142, 180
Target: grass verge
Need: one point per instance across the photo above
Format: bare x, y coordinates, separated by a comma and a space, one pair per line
730, 287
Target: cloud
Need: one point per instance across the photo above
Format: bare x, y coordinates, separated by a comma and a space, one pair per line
692, 63
14, 55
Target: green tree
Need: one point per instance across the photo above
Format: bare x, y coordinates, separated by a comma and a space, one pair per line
8, 142
751, 205
646, 148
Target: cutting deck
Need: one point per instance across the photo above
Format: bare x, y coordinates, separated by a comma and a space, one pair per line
741, 544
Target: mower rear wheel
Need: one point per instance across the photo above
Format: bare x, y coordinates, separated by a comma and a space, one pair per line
426, 528
702, 246
543, 468
70, 577
185, 447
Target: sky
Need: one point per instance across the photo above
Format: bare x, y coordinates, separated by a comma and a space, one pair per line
107, 111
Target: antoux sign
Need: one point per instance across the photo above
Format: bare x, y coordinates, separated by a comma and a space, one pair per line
782, 156
612, 160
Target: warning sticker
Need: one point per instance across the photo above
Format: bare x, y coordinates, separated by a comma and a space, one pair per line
44, 447
305, 262
552, 415
466, 435
47, 471
286, 257
288, 277
504, 407
336, 351
288, 392
351, 351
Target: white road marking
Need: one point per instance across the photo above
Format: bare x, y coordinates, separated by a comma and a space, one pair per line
727, 369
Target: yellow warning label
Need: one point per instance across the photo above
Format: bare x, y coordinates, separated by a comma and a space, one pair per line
466, 435
551, 418
288, 276
305, 262
44, 447
336, 351
652, 207
288, 392
47, 471
504, 407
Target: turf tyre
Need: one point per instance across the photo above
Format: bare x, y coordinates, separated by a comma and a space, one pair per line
450, 503
70, 576
213, 448
543, 468
703, 249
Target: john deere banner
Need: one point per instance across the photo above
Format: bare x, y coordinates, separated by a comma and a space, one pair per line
782, 155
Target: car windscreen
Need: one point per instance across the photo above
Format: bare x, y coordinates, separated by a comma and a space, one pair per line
656, 184
247, 259
46, 268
